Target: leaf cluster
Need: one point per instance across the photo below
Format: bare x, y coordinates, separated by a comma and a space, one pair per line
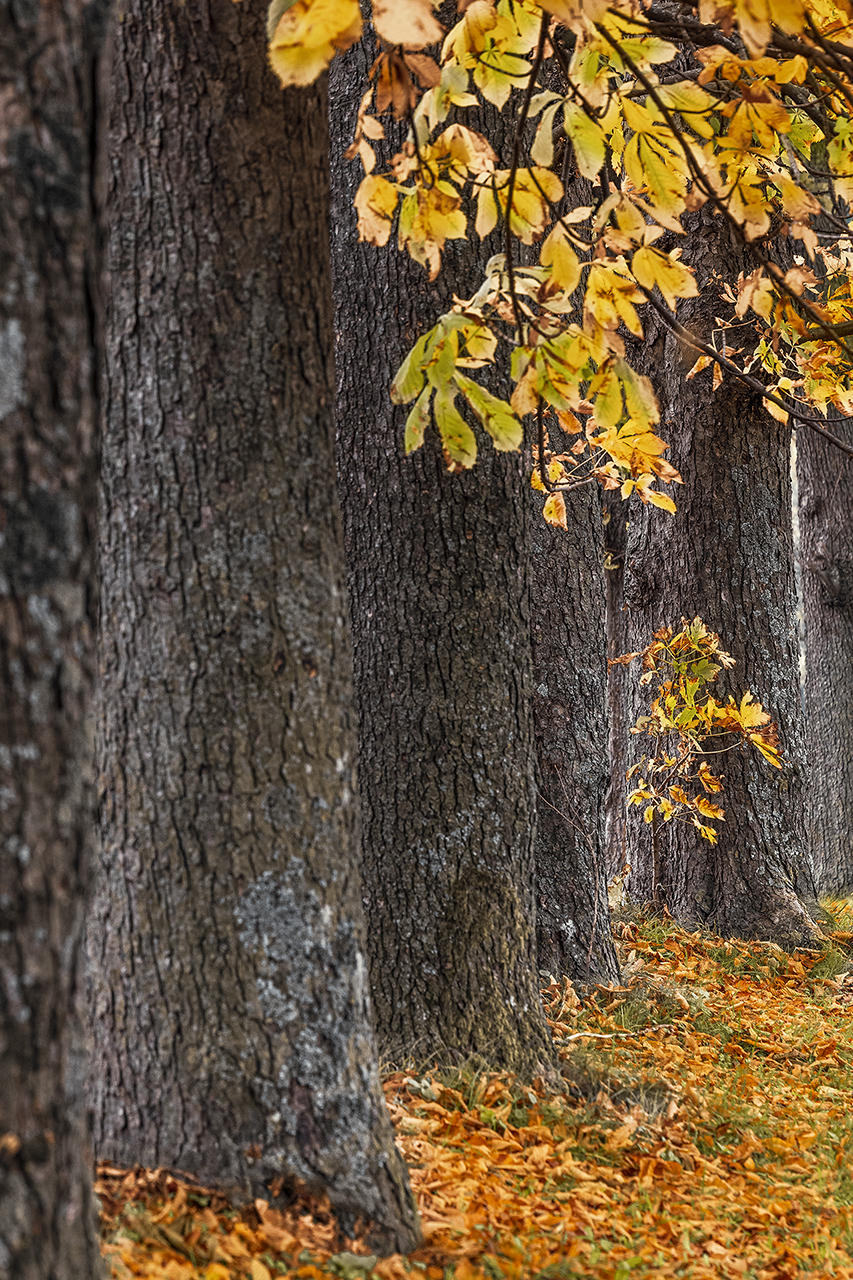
688, 724
739, 105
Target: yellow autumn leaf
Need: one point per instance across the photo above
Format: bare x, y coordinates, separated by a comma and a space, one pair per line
701, 363
417, 421
748, 715
408, 22
558, 254
797, 203
768, 749
429, 217
487, 210
534, 191
650, 268
467, 40
747, 204
575, 13
376, 203
776, 411
658, 499
309, 34
656, 170
610, 295
709, 781
554, 510
555, 471
495, 414
502, 65
693, 102
755, 121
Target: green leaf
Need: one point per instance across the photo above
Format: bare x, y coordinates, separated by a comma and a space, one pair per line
460, 447
519, 360
418, 421
441, 361
495, 414
587, 139
410, 377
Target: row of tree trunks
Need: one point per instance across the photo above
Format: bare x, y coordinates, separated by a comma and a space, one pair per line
231, 1019
48, 608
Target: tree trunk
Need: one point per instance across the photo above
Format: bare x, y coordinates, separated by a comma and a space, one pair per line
825, 478
48, 419
439, 591
615, 512
727, 555
570, 715
231, 1012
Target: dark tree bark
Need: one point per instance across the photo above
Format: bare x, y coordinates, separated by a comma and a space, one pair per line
570, 716
48, 418
728, 556
615, 514
825, 478
231, 1011
439, 591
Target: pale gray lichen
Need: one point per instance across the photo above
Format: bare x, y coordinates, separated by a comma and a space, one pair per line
11, 366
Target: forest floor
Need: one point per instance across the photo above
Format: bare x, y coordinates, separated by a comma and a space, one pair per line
710, 1135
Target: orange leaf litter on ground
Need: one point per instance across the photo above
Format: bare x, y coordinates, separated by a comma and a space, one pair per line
705, 1134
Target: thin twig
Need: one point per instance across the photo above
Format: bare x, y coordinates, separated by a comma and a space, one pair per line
601, 1035
516, 156
724, 363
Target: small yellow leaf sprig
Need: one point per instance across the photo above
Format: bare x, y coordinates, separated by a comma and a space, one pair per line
687, 723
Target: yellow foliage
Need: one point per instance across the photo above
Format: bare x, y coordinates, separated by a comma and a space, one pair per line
408, 22
685, 720
308, 35
376, 202
761, 133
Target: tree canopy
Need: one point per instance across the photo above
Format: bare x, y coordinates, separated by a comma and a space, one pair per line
743, 105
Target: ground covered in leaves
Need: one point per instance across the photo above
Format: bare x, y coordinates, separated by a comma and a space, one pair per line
706, 1132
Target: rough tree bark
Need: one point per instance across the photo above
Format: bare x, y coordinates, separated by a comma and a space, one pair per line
570, 716
439, 590
727, 555
231, 1011
825, 477
48, 418
615, 514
